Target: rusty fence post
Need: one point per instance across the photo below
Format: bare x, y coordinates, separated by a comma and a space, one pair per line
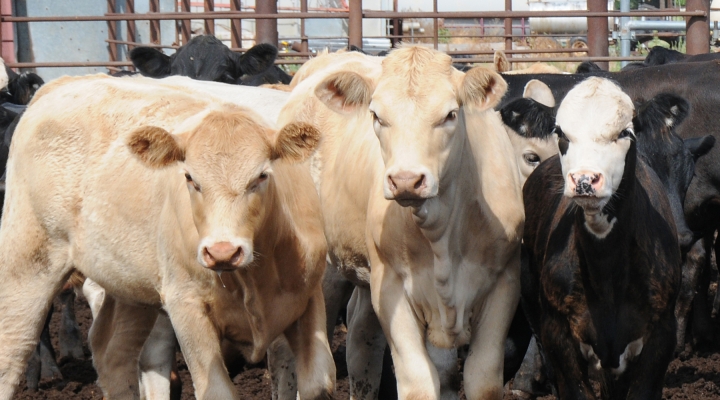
131, 28
266, 29
698, 28
112, 32
597, 38
355, 23
508, 27
155, 24
209, 23
304, 47
185, 27
235, 26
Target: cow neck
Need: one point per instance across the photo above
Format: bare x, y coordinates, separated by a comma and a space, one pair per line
443, 220
604, 257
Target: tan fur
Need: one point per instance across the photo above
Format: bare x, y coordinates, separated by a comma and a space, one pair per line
502, 65
296, 142
277, 86
114, 206
501, 62
448, 273
347, 90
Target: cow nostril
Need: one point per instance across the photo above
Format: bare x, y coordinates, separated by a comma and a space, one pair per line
237, 258
596, 179
391, 183
420, 182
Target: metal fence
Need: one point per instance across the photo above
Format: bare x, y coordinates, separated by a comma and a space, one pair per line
267, 14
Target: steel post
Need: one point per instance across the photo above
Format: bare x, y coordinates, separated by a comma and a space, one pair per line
235, 26
266, 29
508, 26
209, 6
598, 32
698, 28
624, 32
355, 23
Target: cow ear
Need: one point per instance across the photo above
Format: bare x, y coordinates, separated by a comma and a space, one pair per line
501, 62
155, 147
540, 92
345, 92
664, 112
528, 118
150, 62
295, 142
257, 59
482, 88
699, 146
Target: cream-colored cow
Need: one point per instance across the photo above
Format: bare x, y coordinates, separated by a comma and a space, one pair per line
417, 179
212, 223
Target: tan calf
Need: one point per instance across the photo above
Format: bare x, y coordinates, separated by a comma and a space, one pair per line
418, 182
171, 200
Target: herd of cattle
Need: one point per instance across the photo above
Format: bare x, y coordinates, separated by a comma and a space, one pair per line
553, 228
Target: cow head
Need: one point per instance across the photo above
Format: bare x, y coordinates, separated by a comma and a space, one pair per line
416, 112
226, 160
204, 58
529, 123
672, 158
595, 131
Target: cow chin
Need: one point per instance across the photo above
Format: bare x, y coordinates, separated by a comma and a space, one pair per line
409, 200
591, 204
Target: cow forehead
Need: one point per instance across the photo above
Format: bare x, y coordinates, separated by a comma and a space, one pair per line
595, 108
228, 145
416, 73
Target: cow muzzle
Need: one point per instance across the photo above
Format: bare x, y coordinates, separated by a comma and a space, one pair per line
408, 188
586, 183
224, 256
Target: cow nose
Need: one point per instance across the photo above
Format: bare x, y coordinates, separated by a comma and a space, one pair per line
405, 184
586, 183
223, 256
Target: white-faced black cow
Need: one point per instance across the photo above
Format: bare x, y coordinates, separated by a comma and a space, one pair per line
701, 214
603, 265
206, 58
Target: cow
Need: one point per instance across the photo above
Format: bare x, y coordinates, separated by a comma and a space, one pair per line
659, 56
503, 65
603, 265
696, 214
215, 223
20, 88
205, 58
442, 262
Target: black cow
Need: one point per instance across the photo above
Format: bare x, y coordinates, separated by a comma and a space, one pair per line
695, 82
603, 263
205, 58
21, 87
661, 56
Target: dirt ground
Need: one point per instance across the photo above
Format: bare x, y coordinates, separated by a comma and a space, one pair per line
696, 377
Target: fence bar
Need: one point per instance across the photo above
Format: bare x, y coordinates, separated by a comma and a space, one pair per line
508, 26
355, 23
185, 28
209, 23
598, 32
435, 26
155, 24
698, 28
266, 29
235, 25
303, 39
112, 32
131, 28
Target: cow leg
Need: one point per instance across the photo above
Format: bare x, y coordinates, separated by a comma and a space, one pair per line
70, 346
281, 366
200, 344
568, 368
157, 360
703, 332
34, 269
116, 339
446, 363
530, 379
42, 362
416, 375
647, 376
716, 300
695, 262
487, 344
308, 340
365, 346
94, 294
336, 290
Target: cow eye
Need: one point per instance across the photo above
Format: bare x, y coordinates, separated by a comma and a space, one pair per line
190, 181
625, 133
260, 179
452, 116
532, 159
376, 118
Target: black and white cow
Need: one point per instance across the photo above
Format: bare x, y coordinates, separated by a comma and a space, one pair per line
603, 265
206, 58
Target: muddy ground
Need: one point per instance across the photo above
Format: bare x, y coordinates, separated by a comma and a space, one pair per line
694, 377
